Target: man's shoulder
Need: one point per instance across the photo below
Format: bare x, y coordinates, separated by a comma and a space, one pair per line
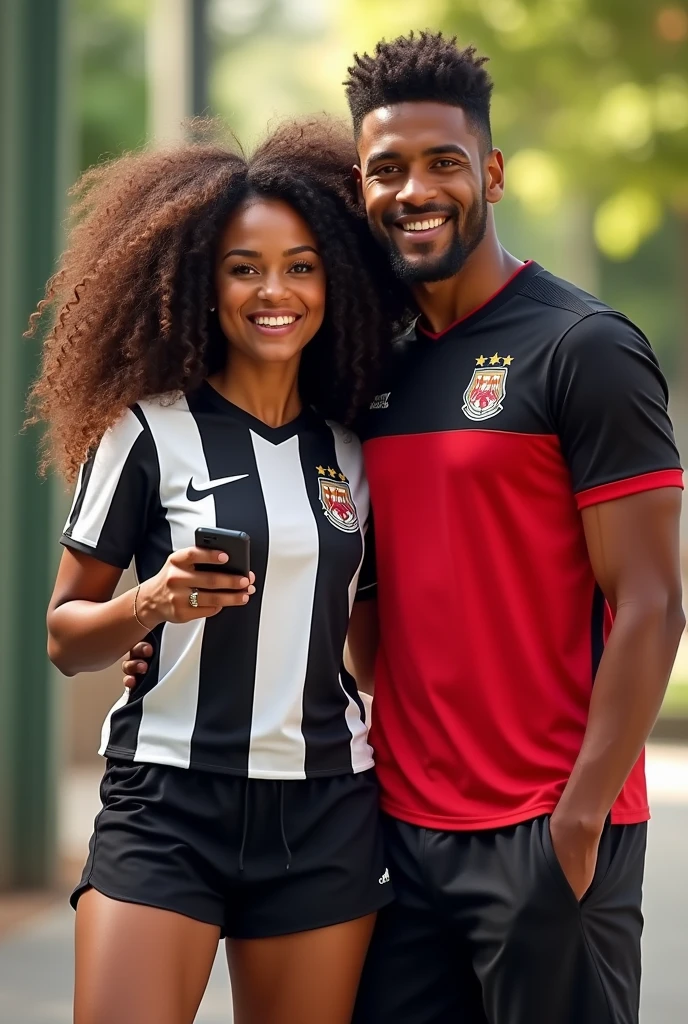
576, 317
555, 293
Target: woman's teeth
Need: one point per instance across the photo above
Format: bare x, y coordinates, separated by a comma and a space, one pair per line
425, 225
274, 321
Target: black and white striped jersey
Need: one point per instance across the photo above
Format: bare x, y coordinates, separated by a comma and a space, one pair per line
258, 690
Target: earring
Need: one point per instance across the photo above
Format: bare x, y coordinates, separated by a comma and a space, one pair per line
212, 309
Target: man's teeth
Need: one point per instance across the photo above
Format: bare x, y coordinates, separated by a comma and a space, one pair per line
274, 321
425, 225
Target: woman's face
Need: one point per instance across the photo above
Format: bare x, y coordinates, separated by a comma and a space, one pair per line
269, 282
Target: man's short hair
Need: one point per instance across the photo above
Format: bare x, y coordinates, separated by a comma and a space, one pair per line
424, 67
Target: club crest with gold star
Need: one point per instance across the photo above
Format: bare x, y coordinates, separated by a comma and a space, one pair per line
336, 500
486, 391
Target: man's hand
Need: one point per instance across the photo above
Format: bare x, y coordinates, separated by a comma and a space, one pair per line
576, 848
134, 666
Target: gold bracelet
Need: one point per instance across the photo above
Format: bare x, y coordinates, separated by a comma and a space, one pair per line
136, 613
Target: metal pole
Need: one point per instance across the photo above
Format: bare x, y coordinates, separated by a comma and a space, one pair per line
200, 57
168, 56
32, 105
176, 57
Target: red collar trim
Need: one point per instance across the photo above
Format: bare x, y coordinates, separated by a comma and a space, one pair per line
435, 337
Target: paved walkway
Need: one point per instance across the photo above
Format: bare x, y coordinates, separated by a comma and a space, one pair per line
36, 960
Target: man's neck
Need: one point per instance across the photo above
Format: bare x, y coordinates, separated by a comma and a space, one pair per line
486, 270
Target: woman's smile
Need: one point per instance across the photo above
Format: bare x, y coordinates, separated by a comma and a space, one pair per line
274, 323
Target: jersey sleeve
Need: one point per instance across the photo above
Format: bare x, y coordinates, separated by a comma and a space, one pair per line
367, 580
114, 492
608, 399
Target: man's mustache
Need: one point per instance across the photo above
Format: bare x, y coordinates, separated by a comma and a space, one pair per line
390, 218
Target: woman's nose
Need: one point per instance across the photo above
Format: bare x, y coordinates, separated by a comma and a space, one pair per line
273, 287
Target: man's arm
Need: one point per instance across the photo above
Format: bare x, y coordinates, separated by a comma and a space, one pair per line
633, 544
361, 644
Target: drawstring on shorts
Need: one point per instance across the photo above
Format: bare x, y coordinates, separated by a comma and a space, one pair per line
284, 835
244, 827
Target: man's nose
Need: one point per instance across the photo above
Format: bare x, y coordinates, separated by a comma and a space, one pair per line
416, 192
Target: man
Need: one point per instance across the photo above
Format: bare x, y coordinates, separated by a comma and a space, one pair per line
526, 491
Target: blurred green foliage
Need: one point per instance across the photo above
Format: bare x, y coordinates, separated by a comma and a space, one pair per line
108, 40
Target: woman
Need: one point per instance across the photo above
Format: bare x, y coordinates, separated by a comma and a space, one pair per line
210, 313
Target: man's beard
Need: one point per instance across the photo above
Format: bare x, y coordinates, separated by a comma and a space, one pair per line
450, 262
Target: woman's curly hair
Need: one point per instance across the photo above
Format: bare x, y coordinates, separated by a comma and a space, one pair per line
130, 300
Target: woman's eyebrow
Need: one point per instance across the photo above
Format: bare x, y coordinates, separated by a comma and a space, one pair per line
300, 248
253, 254
243, 252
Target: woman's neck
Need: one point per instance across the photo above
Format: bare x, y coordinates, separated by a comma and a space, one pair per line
268, 391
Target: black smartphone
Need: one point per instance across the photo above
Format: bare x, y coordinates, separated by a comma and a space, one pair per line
235, 543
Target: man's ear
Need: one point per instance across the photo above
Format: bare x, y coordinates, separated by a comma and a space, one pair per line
358, 178
494, 176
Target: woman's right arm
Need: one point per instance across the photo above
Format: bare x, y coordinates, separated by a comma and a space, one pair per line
88, 629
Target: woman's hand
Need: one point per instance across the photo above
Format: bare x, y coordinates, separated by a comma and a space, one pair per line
165, 597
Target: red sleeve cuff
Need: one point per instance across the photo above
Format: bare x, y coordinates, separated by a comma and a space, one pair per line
633, 485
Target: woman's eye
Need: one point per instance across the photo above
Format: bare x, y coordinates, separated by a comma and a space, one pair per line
243, 269
301, 268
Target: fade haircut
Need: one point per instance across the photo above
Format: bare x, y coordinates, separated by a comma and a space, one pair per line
424, 67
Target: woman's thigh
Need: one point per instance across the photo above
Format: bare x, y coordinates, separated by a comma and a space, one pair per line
138, 964
304, 978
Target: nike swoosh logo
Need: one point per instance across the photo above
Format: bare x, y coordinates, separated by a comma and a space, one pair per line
197, 493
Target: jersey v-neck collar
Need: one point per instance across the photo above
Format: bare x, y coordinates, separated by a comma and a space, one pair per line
502, 295
276, 435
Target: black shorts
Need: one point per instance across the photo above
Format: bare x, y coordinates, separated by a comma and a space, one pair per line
487, 930
256, 857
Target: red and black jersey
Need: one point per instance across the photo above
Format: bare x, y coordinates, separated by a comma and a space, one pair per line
481, 450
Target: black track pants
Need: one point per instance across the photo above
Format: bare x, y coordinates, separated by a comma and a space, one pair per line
486, 930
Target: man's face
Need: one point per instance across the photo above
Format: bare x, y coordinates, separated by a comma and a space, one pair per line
426, 182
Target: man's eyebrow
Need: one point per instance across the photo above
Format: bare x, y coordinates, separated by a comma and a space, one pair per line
391, 154
384, 154
449, 147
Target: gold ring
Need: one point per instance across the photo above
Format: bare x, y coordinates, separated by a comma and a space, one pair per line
193, 599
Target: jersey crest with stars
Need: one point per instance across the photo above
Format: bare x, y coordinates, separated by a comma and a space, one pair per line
486, 389
336, 500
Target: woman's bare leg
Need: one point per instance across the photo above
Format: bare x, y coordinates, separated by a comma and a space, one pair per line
139, 965
305, 978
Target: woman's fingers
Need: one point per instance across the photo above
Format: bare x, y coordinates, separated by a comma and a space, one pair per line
187, 560
223, 598
188, 557
215, 581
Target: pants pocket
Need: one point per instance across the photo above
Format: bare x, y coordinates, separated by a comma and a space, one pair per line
553, 864
606, 853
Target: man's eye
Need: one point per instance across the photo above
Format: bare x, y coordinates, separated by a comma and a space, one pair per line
446, 163
387, 169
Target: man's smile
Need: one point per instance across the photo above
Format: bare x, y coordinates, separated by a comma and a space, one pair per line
422, 228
